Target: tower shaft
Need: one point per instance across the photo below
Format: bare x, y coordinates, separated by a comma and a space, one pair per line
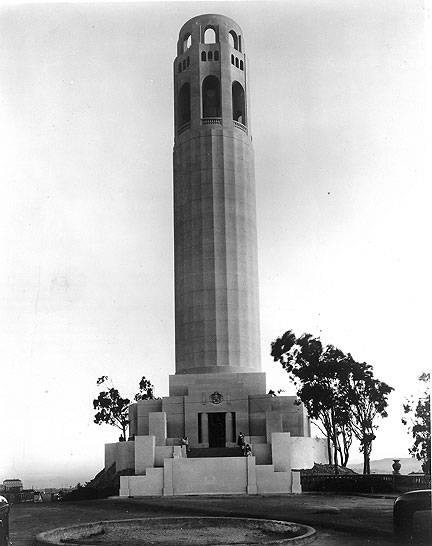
216, 274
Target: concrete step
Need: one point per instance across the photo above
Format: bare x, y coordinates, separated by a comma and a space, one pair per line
200, 452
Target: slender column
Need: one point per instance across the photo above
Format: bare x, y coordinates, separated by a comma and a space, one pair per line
204, 428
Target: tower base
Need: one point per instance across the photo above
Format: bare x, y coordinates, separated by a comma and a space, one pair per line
211, 410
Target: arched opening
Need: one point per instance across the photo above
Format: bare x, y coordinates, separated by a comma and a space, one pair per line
210, 56
237, 63
210, 36
232, 59
238, 103
187, 42
233, 40
203, 55
216, 55
184, 109
211, 97
241, 65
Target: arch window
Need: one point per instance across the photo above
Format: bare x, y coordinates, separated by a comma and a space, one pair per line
203, 55
210, 56
237, 63
210, 36
241, 65
187, 42
184, 108
216, 55
233, 39
211, 103
232, 59
238, 103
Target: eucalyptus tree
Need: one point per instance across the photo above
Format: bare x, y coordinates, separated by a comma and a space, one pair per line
113, 409
341, 396
368, 398
319, 375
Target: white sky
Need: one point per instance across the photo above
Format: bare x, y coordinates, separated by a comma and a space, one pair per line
86, 120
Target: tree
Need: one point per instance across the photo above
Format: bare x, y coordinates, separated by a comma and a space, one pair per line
113, 409
146, 390
319, 375
368, 400
340, 395
418, 421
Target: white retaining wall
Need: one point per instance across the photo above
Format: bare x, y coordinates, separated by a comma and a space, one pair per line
121, 453
164, 470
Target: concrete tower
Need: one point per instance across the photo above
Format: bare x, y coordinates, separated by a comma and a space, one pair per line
218, 389
216, 276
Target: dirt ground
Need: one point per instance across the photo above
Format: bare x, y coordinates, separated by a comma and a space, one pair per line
339, 520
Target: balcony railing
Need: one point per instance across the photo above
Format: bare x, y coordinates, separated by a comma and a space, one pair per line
183, 128
211, 121
240, 126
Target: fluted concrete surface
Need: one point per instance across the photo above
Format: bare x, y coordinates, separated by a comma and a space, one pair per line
216, 273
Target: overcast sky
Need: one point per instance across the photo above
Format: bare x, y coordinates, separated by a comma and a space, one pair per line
86, 120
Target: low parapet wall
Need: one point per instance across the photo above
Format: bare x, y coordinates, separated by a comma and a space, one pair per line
358, 483
209, 476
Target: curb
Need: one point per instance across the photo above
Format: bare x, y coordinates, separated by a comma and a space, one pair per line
77, 534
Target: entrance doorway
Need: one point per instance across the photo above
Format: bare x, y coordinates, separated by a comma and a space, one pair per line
216, 429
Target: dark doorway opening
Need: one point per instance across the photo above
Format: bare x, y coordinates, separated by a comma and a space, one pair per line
216, 429
211, 97
238, 102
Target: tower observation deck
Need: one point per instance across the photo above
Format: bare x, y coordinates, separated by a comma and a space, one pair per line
216, 272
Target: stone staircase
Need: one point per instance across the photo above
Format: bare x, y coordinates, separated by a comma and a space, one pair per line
200, 452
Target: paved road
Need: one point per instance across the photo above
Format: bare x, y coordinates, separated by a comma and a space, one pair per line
339, 520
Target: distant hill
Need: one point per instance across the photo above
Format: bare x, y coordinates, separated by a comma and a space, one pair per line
384, 466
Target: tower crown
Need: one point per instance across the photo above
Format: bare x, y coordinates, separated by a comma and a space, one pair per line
210, 75
210, 28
